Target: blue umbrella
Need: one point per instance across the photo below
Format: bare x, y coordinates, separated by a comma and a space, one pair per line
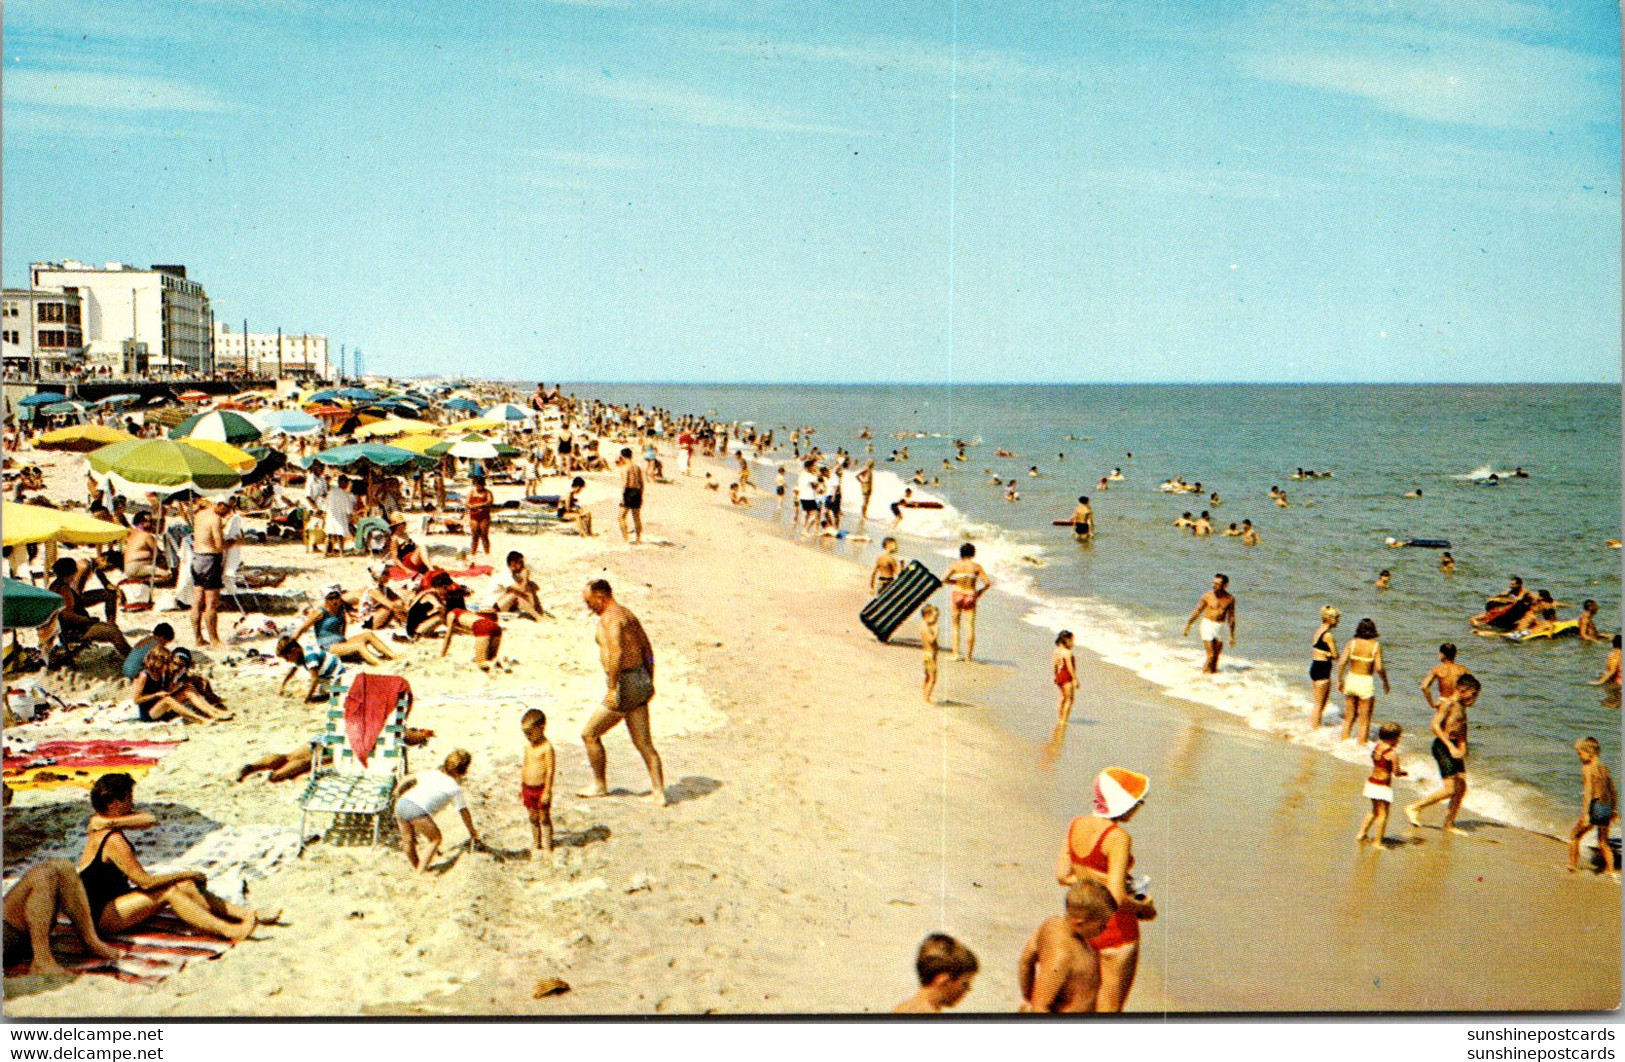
57, 409
42, 398
290, 422
376, 454
323, 396
359, 394
464, 405
117, 400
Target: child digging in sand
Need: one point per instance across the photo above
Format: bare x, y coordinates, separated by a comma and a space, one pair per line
928, 641
420, 797
323, 666
1598, 805
946, 969
536, 779
1379, 788
1065, 665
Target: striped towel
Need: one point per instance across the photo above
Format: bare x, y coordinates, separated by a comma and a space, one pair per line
157, 948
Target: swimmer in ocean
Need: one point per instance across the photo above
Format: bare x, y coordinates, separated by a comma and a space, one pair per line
1417, 493
1383, 579
1447, 563
1184, 522
1249, 536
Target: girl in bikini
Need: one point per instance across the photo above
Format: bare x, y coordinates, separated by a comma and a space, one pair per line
1322, 653
1065, 665
1379, 788
1358, 669
969, 582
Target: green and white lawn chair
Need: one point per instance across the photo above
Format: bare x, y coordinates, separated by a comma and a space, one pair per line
339, 784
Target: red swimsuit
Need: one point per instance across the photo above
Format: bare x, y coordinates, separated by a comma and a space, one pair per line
1124, 928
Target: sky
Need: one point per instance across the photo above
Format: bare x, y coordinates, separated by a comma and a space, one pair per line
808, 190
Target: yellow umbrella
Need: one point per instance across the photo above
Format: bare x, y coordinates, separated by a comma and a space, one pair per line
379, 429
82, 438
25, 524
476, 424
418, 444
239, 460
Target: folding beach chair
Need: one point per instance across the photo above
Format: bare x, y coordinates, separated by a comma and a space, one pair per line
339, 783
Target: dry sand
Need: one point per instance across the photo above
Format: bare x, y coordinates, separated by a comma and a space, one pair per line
824, 819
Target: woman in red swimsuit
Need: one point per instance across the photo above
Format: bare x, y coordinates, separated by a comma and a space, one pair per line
1098, 846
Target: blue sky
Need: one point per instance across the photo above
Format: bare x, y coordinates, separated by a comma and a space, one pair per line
703, 190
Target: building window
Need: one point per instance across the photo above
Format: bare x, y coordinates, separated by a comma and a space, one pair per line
53, 338
50, 312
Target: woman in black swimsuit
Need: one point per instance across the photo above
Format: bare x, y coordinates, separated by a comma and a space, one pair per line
123, 894
1322, 655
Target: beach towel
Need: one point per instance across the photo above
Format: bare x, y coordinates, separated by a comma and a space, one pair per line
161, 946
57, 764
396, 573
367, 707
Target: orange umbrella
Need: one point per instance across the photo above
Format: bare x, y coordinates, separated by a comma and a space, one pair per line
192, 396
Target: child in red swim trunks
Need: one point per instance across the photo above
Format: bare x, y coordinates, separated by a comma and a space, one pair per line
1066, 676
536, 778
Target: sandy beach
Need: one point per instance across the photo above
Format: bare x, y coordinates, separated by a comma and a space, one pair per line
824, 820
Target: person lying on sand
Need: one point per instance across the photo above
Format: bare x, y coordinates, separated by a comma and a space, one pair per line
121, 892
281, 766
1058, 972
946, 969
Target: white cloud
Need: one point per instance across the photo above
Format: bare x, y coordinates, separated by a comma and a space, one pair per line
101, 91
688, 106
935, 59
587, 160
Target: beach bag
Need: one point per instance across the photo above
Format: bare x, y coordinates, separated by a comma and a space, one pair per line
135, 595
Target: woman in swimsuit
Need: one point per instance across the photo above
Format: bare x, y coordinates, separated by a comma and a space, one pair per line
1065, 666
406, 552
123, 894
969, 582
156, 697
483, 626
331, 622
1098, 846
1357, 671
380, 606
1322, 653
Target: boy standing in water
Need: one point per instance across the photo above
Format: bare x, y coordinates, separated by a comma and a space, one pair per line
928, 641
1450, 752
1598, 804
536, 778
946, 969
1379, 788
1444, 674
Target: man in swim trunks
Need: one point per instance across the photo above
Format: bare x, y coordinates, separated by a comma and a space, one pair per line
208, 572
1083, 520
1059, 972
1450, 752
1216, 609
629, 667
1444, 675
631, 494
866, 483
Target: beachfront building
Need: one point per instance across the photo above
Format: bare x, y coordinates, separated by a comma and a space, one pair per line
127, 311
302, 356
41, 333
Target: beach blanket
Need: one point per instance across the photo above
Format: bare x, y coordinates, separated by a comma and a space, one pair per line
232, 856
156, 949
63, 763
367, 708
473, 571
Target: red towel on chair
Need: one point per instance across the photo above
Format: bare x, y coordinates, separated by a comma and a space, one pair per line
367, 707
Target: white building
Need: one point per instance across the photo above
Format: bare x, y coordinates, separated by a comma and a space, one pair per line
303, 356
124, 307
42, 326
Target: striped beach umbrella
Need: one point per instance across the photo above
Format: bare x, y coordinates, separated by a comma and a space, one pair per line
222, 425
507, 411
162, 466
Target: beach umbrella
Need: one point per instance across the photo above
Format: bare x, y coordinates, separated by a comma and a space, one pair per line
63, 409
507, 411
463, 405
475, 447
27, 607
162, 466
325, 395
43, 398
26, 524
81, 438
192, 396
380, 429
290, 422
359, 394
476, 424
422, 444
377, 455
267, 462
240, 460
221, 425
117, 400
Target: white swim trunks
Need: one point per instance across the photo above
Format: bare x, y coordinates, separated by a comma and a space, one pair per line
1212, 630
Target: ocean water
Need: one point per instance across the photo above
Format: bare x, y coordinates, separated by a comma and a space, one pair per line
1126, 596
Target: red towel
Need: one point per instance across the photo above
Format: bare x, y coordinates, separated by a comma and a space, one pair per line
367, 707
396, 572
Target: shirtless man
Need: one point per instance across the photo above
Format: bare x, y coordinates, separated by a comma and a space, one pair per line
629, 668
1083, 520
631, 495
1444, 675
208, 572
519, 592
866, 483
887, 565
1059, 972
1450, 752
140, 549
1216, 609
969, 581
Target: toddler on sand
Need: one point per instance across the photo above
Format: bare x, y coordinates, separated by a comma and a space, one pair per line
1598, 804
536, 778
1379, 788
928, 640
1065, 666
